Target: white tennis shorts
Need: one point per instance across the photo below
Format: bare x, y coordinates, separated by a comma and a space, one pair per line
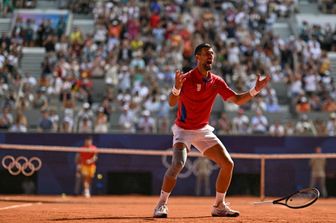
202, 139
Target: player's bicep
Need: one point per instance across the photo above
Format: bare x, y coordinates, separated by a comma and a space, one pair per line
225, 91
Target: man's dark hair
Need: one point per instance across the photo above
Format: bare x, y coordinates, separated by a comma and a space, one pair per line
199, 48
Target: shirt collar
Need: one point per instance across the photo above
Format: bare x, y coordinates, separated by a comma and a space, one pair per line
200, 77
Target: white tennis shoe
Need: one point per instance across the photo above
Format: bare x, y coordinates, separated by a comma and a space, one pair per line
87, 193
161, 211
223, 210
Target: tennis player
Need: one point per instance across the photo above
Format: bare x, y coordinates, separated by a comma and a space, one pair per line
87, 162
195, 93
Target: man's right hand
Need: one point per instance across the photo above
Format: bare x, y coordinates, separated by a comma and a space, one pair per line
179, 79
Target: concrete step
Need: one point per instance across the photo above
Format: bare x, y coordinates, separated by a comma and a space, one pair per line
308, 7
32, 59
85, 25
45, 4
282, 30
5, 25
332, 58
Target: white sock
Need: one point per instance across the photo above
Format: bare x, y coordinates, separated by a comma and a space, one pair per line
164, 197
220, 198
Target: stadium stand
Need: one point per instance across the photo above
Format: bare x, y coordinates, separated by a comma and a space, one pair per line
126, 52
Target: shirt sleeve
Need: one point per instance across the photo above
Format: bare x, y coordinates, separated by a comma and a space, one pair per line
224, 90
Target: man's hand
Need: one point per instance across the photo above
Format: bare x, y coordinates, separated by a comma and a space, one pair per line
261, 83
179, 79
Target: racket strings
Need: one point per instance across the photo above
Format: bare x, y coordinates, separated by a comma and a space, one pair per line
302, 198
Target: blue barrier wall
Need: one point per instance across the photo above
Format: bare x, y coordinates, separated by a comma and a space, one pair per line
57, 173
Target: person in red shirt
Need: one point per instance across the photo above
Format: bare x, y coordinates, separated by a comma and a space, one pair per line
194, 92
86, 162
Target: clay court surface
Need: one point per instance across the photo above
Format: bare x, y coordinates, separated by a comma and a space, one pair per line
139, 209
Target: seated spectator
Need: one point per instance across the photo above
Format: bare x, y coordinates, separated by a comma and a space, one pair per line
224, 125
164, 108
85, 125
86, 113
163, 125
101, 124
20, 124
146, 123
45, 124
54, 117
240, 123
258, 103
40, 100
302, 105
6, 118
272, 106
259, 123
315, 103
66, 125
329, 105
321, 128
277, 129
331, 124
289, 128
127, 120
305, 126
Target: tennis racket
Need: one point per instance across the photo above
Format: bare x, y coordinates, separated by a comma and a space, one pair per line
300, 199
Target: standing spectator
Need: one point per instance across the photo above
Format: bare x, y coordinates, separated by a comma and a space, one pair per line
318, 175
203, 169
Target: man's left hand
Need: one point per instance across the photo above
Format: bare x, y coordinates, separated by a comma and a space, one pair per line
262, 82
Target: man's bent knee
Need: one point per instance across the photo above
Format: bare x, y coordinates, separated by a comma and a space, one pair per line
178, 162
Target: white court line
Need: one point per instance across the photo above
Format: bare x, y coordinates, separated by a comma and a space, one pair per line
16, 206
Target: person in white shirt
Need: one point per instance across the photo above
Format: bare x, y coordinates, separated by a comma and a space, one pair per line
259, 123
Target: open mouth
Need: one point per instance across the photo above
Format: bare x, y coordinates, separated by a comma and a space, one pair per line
209, 62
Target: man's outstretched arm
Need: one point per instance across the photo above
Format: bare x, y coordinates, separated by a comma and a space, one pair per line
242, 98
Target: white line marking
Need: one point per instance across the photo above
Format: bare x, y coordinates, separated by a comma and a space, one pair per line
16, 206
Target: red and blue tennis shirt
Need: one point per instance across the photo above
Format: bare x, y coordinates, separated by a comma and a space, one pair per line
197, 97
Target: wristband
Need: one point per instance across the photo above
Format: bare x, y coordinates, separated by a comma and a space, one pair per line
175, 91
253, 92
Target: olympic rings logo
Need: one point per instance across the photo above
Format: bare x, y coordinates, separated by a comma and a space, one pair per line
21, 165
190, 167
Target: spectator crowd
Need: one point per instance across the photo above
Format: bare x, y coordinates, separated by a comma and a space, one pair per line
135, 48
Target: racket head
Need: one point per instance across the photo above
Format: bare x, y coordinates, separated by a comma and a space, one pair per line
300, 199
